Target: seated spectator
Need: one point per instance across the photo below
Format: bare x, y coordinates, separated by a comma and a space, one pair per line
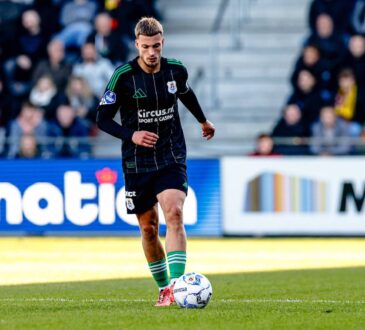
350, 103
26, 50
108, 43
357, 18
31, 41
264, 146
330, 44
81, 99
29, 122
4, 105
356, 59
18, 82
308, 97
339, 11
10, 13
54, 66
96, 71
44, 95
49, 11
127, 13
330, 135
76, 18
67, 131
310, 60
28, 147
291, 127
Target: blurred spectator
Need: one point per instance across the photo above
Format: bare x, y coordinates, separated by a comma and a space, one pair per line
81, 98
10, 14
356, 60
338, 10
330, 134
29, 122
4, 105
44, 95
291, 126
27, 49
49, 11
330, 44
96, 71
108, 43
358, 18
264, 146
128, 12
310, 60
308, 97
350, 103
28, 147
31, 41
17, 74
66, 131
54, 66
76, 18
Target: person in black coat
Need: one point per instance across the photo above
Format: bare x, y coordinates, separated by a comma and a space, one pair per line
331, 45
339, 10
355, 60
108, 42
291, 126
309, 97
310, 60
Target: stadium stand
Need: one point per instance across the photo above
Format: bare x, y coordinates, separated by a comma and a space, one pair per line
248, 60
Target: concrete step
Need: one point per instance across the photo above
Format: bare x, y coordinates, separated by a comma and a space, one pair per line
236, 59
203, 42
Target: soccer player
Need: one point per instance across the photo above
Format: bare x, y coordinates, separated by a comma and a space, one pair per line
145, 91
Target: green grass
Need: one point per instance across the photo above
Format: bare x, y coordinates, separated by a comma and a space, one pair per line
296, 299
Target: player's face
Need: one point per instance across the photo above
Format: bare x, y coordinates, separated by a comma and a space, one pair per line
150, 49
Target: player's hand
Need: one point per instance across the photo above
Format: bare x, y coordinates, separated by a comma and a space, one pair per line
208, 130
144, 139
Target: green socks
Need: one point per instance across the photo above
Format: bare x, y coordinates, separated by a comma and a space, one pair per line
177, 262
159, 272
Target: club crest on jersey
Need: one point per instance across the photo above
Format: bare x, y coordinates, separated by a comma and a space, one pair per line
109, 97
129, 203
171, 87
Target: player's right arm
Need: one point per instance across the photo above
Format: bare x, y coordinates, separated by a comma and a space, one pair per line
107, 109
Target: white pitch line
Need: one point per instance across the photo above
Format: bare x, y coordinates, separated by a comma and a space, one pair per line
101, 300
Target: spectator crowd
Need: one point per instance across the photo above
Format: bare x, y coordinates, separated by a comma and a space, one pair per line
327, 103
56, 57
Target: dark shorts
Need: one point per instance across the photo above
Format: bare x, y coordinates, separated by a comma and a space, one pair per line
141, 189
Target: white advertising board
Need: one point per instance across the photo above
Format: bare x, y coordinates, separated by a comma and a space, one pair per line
293, 196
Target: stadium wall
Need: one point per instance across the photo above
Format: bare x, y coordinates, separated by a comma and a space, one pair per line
231, 196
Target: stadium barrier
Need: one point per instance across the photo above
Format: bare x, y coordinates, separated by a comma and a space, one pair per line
232, 196
317, 196
87, 197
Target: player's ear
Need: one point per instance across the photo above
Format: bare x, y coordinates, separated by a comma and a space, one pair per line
136, 43
163, 41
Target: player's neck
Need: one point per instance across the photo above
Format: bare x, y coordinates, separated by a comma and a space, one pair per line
148, 69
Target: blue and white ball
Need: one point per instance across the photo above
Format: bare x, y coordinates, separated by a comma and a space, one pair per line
192, 290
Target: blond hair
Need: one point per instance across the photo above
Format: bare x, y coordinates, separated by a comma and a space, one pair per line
148, 26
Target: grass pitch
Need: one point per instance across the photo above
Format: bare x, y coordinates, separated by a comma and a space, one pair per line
269, 294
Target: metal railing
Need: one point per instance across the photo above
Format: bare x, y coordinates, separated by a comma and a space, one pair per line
239, 12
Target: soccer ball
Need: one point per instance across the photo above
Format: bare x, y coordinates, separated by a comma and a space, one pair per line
192, 290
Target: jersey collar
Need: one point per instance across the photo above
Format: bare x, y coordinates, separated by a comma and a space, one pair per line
136, 66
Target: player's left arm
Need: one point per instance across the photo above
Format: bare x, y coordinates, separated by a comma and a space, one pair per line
189, 99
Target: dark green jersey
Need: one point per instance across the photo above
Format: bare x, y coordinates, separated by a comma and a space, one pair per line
148, 101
